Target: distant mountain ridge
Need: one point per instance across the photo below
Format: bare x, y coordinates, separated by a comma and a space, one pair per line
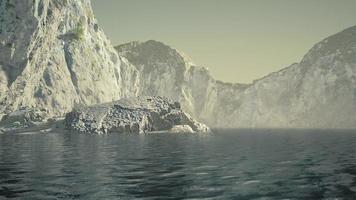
318, 92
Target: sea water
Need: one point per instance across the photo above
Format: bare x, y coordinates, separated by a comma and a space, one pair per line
225, 164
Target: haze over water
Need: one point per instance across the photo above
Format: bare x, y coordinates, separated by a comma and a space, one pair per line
227, 164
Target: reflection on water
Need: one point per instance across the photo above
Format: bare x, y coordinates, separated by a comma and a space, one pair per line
228, 164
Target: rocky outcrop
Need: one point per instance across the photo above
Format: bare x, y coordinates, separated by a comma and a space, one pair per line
54, 55
24, 118
135, 115
318, 92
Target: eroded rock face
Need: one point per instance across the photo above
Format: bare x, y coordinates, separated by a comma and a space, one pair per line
136, 115
54, 55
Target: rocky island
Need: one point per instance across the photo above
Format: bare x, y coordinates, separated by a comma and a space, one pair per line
133, 115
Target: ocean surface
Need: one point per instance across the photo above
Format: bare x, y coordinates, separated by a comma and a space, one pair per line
226, 164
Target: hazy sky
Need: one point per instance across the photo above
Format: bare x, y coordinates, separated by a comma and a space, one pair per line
238, 40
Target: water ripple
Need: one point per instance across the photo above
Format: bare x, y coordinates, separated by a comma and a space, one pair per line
229, 164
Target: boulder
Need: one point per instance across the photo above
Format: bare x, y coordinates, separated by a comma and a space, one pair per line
23, 118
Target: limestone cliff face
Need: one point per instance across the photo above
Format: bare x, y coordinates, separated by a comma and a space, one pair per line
229, 100
53, 54
166, 72
318, 92
161, 67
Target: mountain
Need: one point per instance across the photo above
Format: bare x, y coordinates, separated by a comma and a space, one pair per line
164, 71
318, 92
54, 55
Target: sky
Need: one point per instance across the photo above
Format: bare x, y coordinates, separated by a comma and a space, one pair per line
238, 40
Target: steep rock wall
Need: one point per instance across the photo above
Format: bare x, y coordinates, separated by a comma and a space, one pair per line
53, 54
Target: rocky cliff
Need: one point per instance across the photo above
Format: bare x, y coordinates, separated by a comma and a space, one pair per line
164, 71
54, 55
318, 92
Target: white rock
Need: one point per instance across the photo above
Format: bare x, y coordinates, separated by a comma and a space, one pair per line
181, 129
